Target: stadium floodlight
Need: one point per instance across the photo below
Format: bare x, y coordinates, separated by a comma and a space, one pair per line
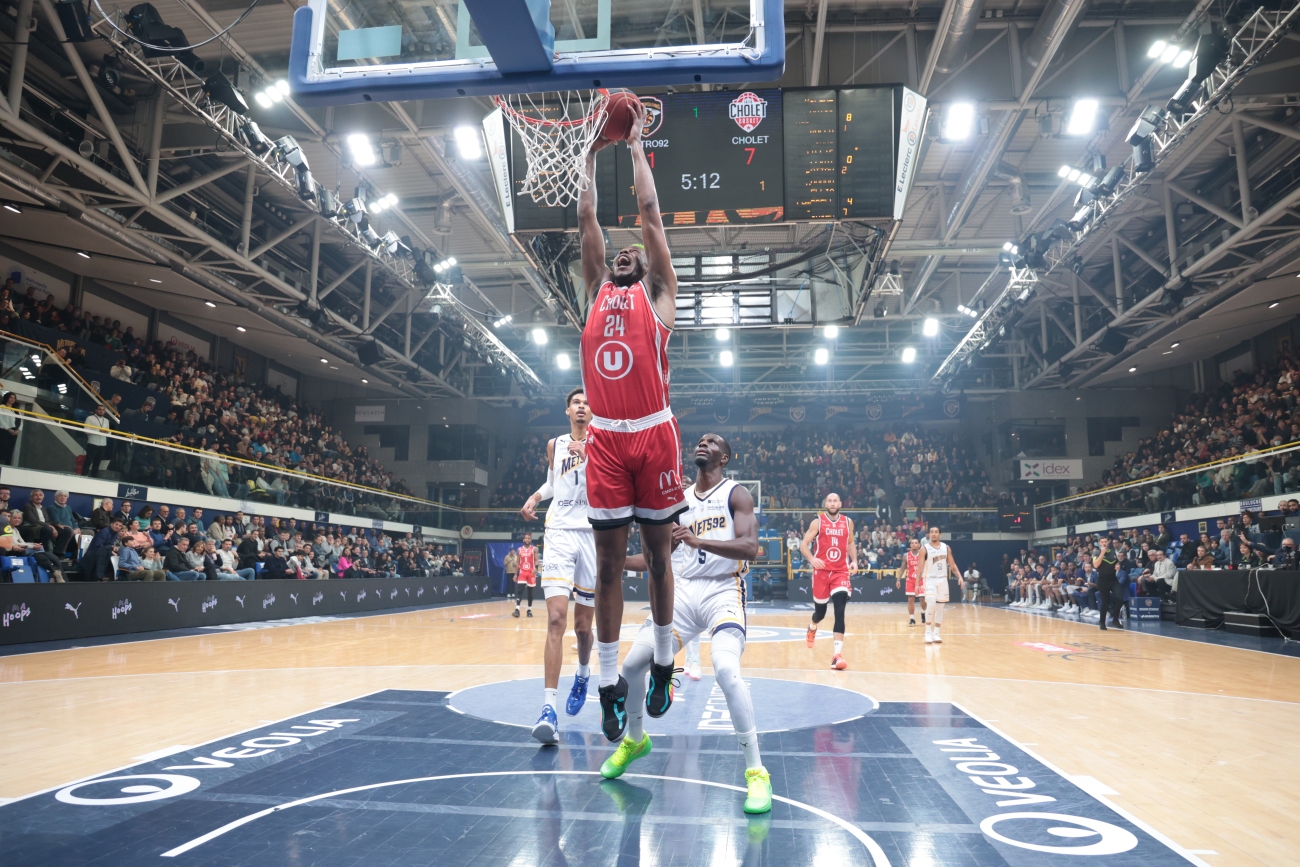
930, 328
363, 153
1063, 172
909, 354
821, 356
1157, 48
1082, 118
725, 358
1073, 175
540, 336
1182, 59
383, 203
562, 361
958, 122
1008, 246
831, 332
722, 334
468, 142
503, 321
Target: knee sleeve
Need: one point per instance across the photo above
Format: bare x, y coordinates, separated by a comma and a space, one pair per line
727, 646
840, 601
819, 612
937, 613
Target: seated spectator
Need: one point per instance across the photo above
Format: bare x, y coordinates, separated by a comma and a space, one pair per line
1203, 559
178, 564
103, 516
97, 562
66, 524
130, 565
38, 526
228, 564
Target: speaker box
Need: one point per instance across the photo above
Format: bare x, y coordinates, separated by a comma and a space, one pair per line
1112, 342
369, 354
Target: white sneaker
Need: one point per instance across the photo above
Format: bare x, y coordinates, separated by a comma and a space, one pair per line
938, 639
693, 669
929, 637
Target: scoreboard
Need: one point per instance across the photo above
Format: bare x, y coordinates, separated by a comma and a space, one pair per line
758, 156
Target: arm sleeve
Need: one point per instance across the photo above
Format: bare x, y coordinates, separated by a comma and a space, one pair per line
547, 490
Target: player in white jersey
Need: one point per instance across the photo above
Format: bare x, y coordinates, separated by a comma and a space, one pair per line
713, 542
568, 565
937, 563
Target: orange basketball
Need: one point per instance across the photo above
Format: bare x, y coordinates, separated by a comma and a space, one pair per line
620, 115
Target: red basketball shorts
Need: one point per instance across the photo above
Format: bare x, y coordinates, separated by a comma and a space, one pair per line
529, 578
634, 474
910, 587
826, 582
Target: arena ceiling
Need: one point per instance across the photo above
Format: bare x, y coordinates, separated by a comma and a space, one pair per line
1022, 64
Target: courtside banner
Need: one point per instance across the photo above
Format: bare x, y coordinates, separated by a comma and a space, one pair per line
911, 128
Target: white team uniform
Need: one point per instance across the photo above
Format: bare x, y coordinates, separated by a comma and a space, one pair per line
935, 577
569, 561
708, 590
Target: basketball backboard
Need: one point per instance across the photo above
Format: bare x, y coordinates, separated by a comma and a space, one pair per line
401, 50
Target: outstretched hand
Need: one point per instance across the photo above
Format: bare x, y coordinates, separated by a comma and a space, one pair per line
638, 123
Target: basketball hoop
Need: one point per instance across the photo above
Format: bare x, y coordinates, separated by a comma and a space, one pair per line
557, 130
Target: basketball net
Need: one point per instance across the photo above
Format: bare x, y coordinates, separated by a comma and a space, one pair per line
557, 130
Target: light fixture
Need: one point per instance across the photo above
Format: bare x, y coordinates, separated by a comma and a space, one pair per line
383, 203
1082, 117
467, 142
540, 337
219, 89
363, 154
831, 332
1073, 175
272, 94
930, 328
152, 280
722, 334
1182, 59
1007, 245
253, 136
83, 254
1174, 345
502, 322
958, 122
725, 358
821, 356
909, 354
1274, 304
1157, 48
562, 361
240, 328
287, 149
1170, 52
10, 206
366, 381
450, 262
324, 361
1132, 370
209, 304
1063, 171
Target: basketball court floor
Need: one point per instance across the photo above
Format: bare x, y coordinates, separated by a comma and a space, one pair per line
402, 739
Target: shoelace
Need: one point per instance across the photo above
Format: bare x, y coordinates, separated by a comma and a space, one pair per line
672, 679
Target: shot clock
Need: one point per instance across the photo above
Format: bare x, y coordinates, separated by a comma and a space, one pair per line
711, 153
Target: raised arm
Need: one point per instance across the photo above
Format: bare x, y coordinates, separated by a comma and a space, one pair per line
744, 546
663, 279
594, 268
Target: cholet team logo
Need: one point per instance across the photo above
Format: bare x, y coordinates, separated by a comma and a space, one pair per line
748, 110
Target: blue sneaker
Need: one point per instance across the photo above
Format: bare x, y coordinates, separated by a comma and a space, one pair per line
547, 727
577, 695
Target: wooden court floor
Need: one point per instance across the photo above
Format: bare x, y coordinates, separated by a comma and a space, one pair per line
1195, 739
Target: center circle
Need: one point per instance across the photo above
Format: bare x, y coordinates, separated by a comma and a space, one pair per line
699, 707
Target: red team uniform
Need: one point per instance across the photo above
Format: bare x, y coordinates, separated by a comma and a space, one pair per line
913, 562
634, 463
833, 550
527, 568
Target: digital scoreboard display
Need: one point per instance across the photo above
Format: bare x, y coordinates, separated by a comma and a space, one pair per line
756, 156
716, 157
812, 158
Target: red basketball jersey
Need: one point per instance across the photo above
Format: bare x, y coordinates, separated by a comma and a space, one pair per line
913, 562
528, 560
624, 355
833, 543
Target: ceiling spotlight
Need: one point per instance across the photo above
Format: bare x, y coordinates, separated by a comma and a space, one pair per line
1063, 171
722, 334
1274, 304
209, 304
1173, 345
10, 206
83, 254
152, 280
240, 328
540, 337
1008, 246
363, 154
366, 381
562, 361
831, 332
930, 328
821, 356
1132, 370
958, 122
383, 203
503, 321
1170, 52
1182, 59
909, 354
1082, 117
726, 359
1157, 48
1073, 175
468, 142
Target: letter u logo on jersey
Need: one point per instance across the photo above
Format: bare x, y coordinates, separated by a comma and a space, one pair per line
613, 359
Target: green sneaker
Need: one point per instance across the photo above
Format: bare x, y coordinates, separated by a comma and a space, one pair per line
627, 752
759, 783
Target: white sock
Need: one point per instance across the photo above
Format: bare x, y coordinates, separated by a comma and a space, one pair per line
839, 646
663, 644
552, 696
607, 654
583, 671
749, 745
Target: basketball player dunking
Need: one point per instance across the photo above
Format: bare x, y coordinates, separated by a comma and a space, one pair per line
835, 560
634, 464
717, 536
569, 565
912, 566
937, 563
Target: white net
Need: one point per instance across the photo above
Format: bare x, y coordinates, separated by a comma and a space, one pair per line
557, 130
